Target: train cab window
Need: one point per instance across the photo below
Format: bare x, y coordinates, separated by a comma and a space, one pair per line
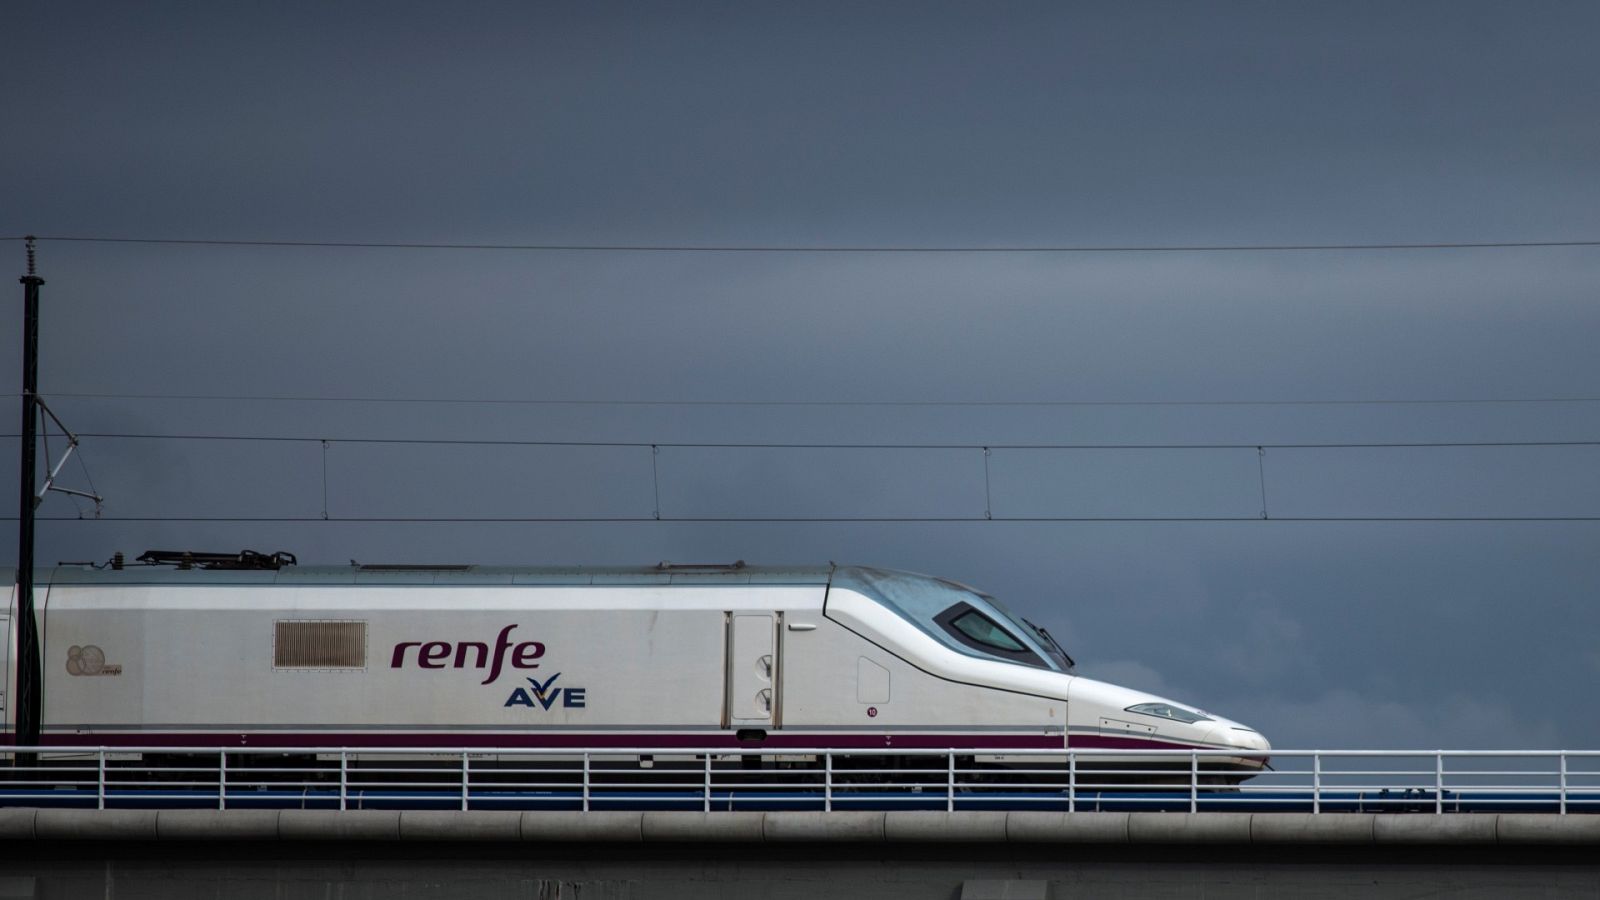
934, 605
977, 630
975, 625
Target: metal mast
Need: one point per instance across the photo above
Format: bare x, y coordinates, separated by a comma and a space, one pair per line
27, 696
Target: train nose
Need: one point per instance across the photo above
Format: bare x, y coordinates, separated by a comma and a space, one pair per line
1240, 737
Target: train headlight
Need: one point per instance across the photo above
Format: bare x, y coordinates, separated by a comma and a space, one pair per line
1170, 711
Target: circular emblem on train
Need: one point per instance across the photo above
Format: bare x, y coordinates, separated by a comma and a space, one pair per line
872, 712
86, 660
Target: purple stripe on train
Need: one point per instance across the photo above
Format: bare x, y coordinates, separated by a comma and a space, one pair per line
525, 740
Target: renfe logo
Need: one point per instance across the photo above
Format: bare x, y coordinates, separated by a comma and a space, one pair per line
443, 654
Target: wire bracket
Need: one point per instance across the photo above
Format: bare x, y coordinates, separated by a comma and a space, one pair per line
55, 469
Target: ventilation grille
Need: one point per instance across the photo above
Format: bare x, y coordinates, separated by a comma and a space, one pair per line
319, 644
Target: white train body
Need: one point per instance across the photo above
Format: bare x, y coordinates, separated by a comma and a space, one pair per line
703, 658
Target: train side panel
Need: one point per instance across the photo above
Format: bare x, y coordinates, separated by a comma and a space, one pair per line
309, 661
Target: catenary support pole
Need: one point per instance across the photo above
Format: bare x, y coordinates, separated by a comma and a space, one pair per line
27, 697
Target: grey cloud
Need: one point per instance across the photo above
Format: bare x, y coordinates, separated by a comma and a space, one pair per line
925, 124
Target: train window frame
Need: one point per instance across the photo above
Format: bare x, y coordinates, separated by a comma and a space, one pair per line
947, 620
1162, 709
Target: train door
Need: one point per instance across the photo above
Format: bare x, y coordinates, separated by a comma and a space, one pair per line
5, 665
751, 691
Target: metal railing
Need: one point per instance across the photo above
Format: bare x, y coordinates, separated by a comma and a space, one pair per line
713, 779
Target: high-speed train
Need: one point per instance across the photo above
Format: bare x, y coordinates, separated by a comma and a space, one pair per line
736, 656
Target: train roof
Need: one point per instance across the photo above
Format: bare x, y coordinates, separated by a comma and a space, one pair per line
410, 574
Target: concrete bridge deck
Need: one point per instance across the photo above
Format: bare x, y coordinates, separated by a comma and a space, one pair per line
318, 855
1091, 828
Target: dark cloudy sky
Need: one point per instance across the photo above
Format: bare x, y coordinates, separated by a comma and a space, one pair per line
866, 125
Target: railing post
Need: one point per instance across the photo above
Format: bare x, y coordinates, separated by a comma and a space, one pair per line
1194, 781
707, 786
1438, 781
344, 779
1316, 782
585, 781
101, 792
950, 783
1072, 781
464, 763
1563, 793
827, 782
222, 780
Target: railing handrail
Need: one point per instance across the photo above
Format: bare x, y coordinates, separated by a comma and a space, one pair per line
1437, 781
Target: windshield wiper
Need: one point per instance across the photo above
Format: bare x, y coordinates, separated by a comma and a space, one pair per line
1067, 660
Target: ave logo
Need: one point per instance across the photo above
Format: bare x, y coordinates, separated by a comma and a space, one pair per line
544, 695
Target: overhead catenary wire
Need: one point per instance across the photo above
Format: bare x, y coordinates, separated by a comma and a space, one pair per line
820, 248
806, 520
832, 445
975, 519
988, 514
524, 401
